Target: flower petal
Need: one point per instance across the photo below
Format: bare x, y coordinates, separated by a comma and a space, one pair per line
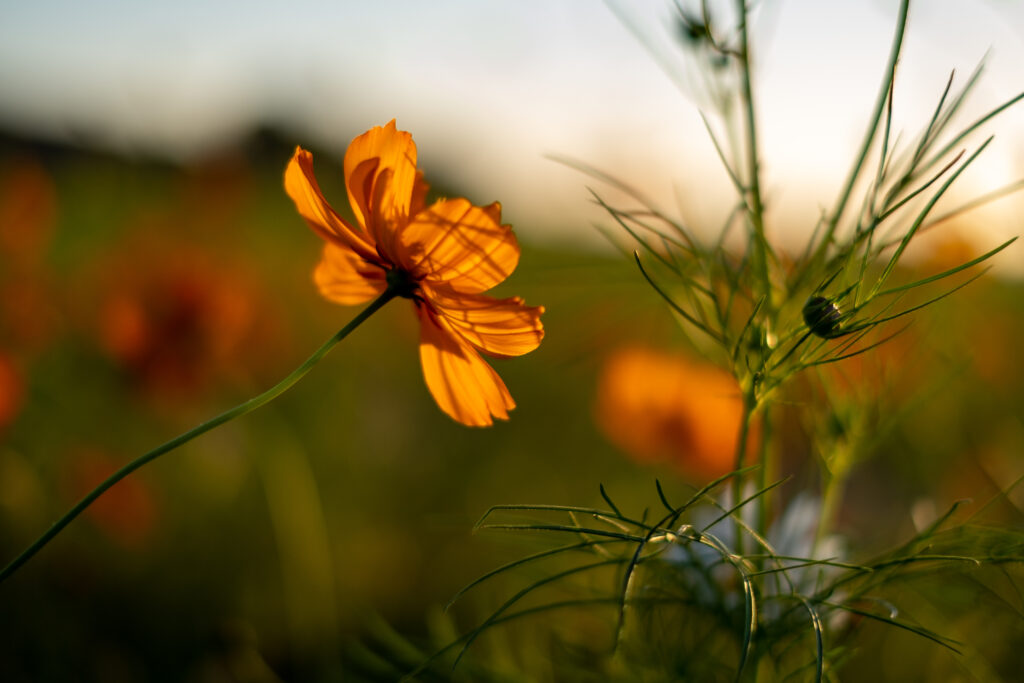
301, 186
499, 327
463, 384
463, 246
420, 188
380, 174
344, 278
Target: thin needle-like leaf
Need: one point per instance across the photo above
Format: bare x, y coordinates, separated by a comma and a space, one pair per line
661, 495
921, 216
901, 203
818, 630
925, 633
932, 129
632, 233
746, 326
563, 527
607, 499
883, 156
1002, 495
952, 271
475, 633
676, 307
972, 127
975, 203
524, 507
737, 183
883, 95
929, 302
735, 508
844, 356
525, 560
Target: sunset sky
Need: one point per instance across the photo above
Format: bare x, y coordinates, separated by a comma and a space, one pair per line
489, 88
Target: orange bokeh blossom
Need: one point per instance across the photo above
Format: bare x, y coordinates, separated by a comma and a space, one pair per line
442, 257
664, 407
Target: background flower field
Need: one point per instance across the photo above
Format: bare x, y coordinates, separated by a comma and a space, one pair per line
154, 272
283, 544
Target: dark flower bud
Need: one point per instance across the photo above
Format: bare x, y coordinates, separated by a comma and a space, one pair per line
822, 317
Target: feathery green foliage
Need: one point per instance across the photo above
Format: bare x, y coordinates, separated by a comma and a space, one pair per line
716, 589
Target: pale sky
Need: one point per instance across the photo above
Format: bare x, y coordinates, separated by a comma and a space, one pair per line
489, 88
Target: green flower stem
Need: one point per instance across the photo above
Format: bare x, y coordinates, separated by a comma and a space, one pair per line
239, 410
767, 473
756, 209
749, 405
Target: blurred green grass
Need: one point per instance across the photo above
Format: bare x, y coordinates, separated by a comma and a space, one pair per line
272, 544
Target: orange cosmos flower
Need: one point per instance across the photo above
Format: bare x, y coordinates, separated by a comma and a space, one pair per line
442, 257
660, 407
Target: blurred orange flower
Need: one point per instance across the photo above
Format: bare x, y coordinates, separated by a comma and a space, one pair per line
28, 314
127, 513
442, 256
177, 318
28, 215
663, 407
11, 391
28, 210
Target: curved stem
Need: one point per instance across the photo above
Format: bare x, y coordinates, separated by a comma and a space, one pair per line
239, 410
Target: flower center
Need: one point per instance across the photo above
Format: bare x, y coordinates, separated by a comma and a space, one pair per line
401, 282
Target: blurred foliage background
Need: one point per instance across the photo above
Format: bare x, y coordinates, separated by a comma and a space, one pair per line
138, 298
